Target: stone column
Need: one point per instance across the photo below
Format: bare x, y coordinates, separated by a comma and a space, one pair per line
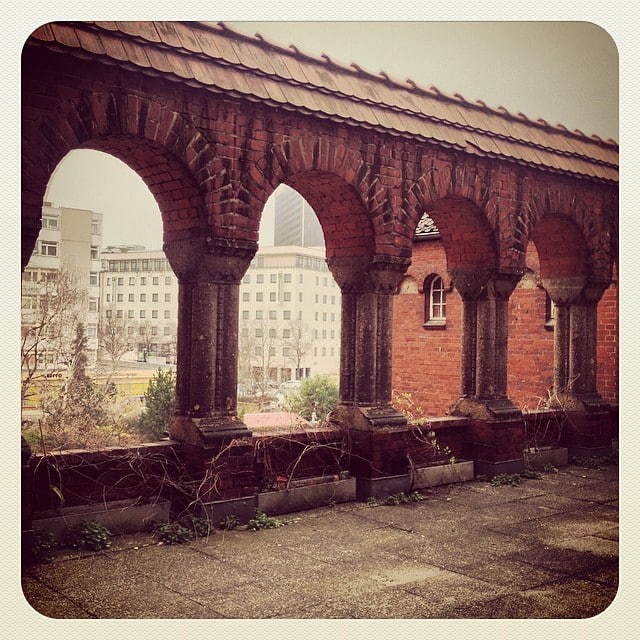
563, 291
367, 284
468, 347
560, 348
483, 375
588, 419
209, 274
502, 286
583, 338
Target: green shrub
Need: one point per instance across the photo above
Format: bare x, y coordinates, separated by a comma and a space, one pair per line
159, 404
42, 545
259, 521
230, 523
87, 535
201, 527
173, 533
510, 479
317, 395
263, 521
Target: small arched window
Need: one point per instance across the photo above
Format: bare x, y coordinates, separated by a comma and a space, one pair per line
550, 313
435, 302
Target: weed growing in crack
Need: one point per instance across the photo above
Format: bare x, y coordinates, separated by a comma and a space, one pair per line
506, 479
260, 521
397, 498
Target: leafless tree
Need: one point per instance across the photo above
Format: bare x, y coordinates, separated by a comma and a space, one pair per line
51, 311
258, 347
113, 336
299, 341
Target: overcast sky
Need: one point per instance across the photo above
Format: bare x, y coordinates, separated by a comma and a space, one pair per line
564, 72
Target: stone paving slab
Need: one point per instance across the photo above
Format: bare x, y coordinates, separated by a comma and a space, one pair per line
547, 548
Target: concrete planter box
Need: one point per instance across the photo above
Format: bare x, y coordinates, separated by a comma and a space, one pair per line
443, 474
556, 456
120, 516
421, 478
309, 496
241, 508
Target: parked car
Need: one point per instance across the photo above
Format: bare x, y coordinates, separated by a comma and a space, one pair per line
290, 384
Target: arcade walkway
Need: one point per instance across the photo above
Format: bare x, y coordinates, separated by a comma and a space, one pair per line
546, 548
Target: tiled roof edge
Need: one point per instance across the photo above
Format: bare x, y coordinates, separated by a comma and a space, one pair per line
434, 92
383, 77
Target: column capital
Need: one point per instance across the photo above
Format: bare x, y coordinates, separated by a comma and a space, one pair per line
207, 259
502, 283
470, 283
564, 290
592, 291
368, 274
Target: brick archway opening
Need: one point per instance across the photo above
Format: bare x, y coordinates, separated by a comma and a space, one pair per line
347, 228
466, 234
561, 247
180, 201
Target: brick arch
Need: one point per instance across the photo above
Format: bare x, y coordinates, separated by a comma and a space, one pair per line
561, 247
352, 204
459, 194
171, 156
586, 216
348, 230
466, 234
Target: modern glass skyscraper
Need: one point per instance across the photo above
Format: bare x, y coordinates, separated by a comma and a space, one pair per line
295, 222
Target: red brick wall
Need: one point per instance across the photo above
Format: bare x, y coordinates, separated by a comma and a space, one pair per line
530, 354
607, 377
426, 362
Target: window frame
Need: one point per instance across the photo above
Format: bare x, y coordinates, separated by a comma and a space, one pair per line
435, 314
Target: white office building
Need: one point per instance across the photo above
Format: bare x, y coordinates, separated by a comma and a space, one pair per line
139, 301
69, 242
289, 316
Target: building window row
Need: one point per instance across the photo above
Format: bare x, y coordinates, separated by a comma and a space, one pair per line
142, 313
136, 265
40, 276
155, 281
142, 297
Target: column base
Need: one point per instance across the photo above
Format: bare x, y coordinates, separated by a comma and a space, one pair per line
209, 431
589, 434
367, 418
490, 409
583, 403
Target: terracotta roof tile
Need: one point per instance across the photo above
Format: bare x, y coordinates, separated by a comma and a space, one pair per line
159, 60
144, 30
222, 60
91, 42
65, 36
137, 54
167, 32
114, 48
208, 45
45, 33
187, 38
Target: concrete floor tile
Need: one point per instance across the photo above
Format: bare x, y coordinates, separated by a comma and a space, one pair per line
546, 548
